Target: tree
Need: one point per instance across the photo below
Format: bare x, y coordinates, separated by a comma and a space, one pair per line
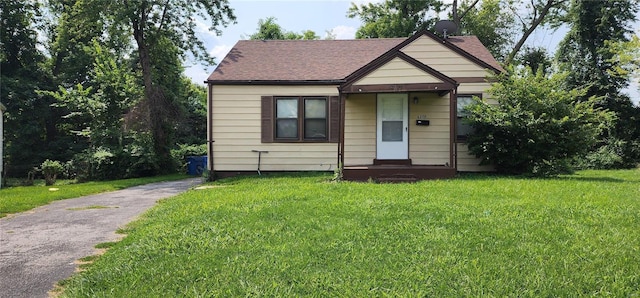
535, 58
586, 53
268, 29
537, 127
490, 21
22, 73
169, 25
538, 12
395, 18
626, 57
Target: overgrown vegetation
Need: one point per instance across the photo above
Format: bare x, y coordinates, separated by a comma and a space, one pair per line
51, 169
287, 236
105, 79
537, 127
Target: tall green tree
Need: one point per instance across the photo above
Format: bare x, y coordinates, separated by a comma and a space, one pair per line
532, 15
395, 18
171, 25
586, 54
28, 115
268, 29
536, 58
491, 21
584, 51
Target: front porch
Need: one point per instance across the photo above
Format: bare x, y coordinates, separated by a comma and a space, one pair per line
397, 173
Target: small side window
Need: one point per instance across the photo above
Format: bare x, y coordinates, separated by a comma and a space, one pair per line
462, 128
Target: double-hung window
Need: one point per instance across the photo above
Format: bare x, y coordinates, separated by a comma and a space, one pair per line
462, 127
301, 118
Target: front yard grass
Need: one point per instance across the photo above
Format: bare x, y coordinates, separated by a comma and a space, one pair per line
22, 198
283, 236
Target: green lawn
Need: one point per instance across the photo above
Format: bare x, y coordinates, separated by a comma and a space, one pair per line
474, 236
22, 198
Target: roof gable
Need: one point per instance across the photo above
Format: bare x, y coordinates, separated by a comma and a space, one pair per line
398, 69
356, 77
448, 56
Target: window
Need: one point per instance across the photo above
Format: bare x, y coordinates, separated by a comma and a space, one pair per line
294, 119
463, 129
315, 118
287, 118
301, 118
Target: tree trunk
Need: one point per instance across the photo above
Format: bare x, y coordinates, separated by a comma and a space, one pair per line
532, 27
154, 101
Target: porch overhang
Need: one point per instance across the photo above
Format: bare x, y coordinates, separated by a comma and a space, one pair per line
440, 88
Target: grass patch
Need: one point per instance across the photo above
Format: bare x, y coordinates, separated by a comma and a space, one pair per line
89, 259
23, 198
91, 207
478, 235
105, 245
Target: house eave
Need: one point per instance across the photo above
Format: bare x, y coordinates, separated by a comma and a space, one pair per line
387, 88
275, 82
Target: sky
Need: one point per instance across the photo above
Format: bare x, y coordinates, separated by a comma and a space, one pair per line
319, 16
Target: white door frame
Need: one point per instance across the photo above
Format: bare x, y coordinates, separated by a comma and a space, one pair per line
396, 138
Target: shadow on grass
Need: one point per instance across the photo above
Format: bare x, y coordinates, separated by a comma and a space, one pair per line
271, 175
573, 177
599, 176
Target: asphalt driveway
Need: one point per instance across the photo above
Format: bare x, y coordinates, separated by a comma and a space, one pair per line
40, 247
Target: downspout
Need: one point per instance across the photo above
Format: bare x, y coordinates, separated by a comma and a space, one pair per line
453, 112
343, 100
210, 131
338, 164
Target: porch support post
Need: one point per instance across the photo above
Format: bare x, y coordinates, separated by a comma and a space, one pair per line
453, 116
210, 131
343, 99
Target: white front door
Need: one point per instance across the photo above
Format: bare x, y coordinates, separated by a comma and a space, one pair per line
393, 126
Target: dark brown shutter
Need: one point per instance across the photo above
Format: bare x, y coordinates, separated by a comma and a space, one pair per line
267, 119
334, 119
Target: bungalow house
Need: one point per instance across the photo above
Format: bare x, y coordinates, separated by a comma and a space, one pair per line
379, 108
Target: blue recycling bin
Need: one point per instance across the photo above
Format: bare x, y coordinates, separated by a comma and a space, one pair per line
196, 165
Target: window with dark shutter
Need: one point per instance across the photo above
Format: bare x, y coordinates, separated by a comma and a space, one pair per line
300, 119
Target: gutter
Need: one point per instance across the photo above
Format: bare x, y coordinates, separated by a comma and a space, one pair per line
275, 82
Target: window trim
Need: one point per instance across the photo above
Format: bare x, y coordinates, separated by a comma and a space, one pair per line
463, 138
301, 120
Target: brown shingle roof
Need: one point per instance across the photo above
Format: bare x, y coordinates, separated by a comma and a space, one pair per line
316, 60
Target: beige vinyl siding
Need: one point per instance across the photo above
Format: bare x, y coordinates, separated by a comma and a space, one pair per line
468, 162
429, 145
437, 56
397, 71
477, 88
360, 129
237, 130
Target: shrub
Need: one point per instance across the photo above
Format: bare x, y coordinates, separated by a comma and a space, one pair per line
180, 154
607, 156
536, 127
51, 169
